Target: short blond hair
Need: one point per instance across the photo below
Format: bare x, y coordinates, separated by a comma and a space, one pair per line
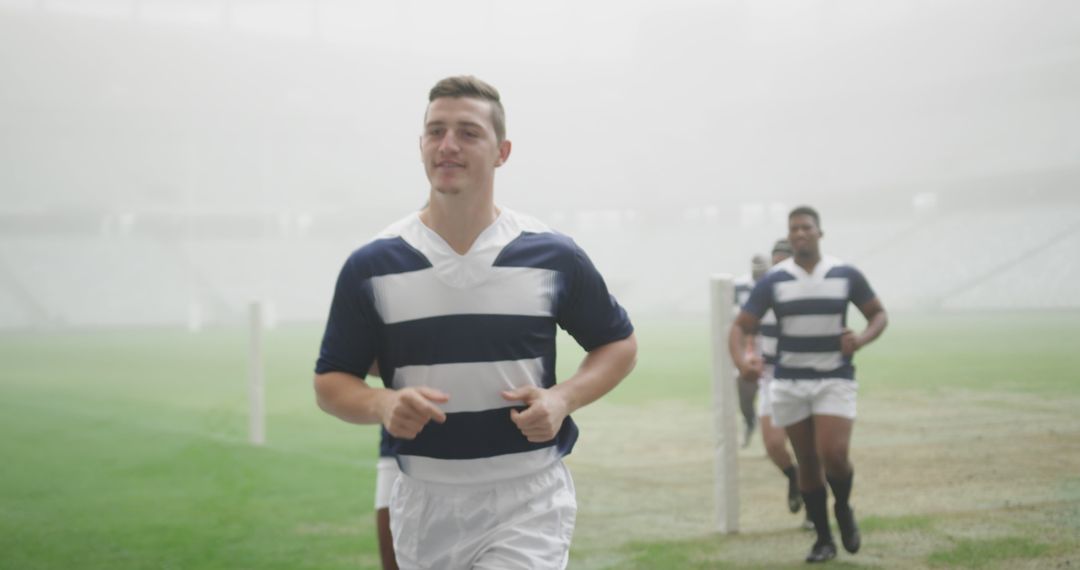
468, 86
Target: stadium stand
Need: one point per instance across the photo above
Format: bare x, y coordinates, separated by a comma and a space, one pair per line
242, 171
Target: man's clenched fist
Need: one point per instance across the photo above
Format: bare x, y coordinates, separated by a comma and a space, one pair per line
410, 409
544, 416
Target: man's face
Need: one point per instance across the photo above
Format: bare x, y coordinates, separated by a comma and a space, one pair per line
804, 233
758, 267
458, 146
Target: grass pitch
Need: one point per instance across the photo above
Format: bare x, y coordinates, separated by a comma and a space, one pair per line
127, 449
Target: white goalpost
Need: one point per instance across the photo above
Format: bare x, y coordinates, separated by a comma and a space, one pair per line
256, 377
722, 298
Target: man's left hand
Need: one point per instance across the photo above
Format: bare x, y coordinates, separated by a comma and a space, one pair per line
544, 416
849, 343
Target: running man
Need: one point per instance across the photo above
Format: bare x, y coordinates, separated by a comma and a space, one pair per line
458, 304
813, 393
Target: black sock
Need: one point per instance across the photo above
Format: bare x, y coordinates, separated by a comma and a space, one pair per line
841, 489
792, 476
818, 512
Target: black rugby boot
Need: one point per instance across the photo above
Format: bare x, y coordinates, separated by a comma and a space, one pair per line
849, 531
822, 552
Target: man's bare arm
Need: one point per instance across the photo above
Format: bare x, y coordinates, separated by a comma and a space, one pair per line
601, 370
404, 412
742, 331
876, 321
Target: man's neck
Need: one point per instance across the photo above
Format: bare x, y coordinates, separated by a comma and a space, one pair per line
458, 220
808, 262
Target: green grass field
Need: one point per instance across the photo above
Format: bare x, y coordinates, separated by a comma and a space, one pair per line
127, 449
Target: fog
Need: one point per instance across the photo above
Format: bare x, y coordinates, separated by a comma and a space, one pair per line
168, 162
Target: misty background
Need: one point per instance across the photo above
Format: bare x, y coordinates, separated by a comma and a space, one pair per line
168, 162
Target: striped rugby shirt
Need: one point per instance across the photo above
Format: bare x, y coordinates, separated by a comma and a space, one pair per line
811, 313
766, 337
471, 326
743, 285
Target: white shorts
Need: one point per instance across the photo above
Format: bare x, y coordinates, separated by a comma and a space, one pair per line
386, 472
795, 400
526, 522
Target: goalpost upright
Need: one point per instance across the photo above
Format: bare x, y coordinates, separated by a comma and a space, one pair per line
722, 299
256, 377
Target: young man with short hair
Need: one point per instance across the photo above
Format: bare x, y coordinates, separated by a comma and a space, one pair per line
813, 392
459, 304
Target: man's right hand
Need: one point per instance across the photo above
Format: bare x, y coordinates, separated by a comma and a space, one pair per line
751, 368
408, 410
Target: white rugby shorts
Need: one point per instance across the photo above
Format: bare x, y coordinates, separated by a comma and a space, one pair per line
526, 522
386, 472
795, 400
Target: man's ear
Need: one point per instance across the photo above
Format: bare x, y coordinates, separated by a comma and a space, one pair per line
504, 152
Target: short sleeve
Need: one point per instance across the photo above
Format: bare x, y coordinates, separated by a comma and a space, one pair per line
761, 298
589, 312
860, 292
350, 340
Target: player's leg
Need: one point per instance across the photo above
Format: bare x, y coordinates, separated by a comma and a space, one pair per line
775, 441
386, 540
791, 403
834, 437
812, 486
386, 472
834, 420
833, 440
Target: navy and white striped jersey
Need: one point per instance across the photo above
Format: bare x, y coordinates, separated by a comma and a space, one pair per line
471, 326
743, 285
768, 331
811, 313
766, 337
